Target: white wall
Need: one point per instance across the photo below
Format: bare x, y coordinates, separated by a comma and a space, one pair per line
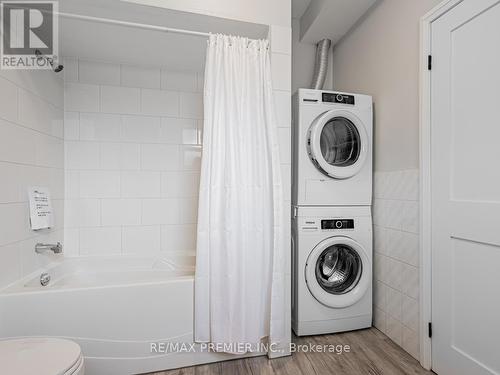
275, 12
31, 154
303, 57
380, 57
132, 158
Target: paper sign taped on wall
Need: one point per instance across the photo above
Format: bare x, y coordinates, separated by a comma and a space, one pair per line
41, 214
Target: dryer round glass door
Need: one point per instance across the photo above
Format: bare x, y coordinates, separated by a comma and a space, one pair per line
338, 272
338, 144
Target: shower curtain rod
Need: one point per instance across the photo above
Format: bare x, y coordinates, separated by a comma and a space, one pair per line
134, 24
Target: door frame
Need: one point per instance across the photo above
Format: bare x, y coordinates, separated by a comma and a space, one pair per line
425, 179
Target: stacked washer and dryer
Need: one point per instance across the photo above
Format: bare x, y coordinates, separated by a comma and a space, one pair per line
331, 219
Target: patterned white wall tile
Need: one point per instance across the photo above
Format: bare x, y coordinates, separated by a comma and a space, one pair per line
394, 303
138, 76
121, 100
100, 240
379, 184
99, 184
140, 129
379, 319
394, 273
410, 221
71, 242
410, 342
179, 81
410, 282
410, 250
380, 239
178, 238
82, 213
99, 127
81, 155
379, 295
140, 184
71, 126
180, 184
283, 105
161, 211
395, 241
190, 158
71, 184
284, 140
98, 72
380, 267
160, 102
394, 329
129, 151
140, 239
394, 214
81, 97
8, 100
70, 69
410, 313
281, 71
396, 219
410, 188
10, 266
116, 212
188, 208
191, 105
179, 131
159, 157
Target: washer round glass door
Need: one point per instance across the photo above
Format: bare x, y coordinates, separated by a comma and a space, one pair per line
338, 272
338, 144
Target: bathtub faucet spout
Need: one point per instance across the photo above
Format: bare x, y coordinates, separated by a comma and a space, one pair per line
43, 247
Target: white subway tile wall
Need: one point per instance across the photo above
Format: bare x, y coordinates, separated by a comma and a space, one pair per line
281, 47
133, 140
132, 158
396, 257
31, 154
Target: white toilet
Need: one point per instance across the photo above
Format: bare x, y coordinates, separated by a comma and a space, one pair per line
41, 356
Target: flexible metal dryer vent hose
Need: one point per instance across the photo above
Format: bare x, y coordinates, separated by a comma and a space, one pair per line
321, 65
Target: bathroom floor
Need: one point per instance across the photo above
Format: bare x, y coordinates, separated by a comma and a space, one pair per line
371, 353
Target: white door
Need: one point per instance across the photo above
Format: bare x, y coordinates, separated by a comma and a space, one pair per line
465, 157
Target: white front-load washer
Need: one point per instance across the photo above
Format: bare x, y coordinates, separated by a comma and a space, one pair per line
332, 269
332, 149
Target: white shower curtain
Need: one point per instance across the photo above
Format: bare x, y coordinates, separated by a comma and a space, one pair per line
239, 282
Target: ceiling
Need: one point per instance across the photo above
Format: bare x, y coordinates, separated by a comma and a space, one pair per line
107, 42
330, 19
299, 7
130, 45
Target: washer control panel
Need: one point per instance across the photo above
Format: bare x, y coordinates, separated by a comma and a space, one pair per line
331, 97
337, 224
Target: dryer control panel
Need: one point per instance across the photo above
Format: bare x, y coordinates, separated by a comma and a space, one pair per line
337, 224
332, 97
313, 224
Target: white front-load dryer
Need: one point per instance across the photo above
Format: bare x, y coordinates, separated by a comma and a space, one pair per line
332, 149
332, 269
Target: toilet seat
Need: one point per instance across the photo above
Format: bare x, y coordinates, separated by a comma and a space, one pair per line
41, 356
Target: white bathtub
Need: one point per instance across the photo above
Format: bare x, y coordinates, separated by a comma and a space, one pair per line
114, 307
